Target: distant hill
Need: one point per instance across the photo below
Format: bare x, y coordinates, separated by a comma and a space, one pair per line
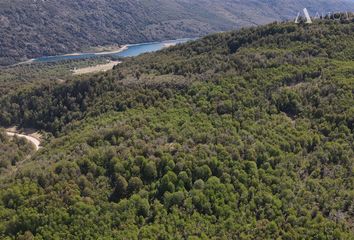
31, 28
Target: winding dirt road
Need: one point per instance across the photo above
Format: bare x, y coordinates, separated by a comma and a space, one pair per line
36, 142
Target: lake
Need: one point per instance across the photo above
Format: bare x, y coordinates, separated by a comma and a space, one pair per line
131, 51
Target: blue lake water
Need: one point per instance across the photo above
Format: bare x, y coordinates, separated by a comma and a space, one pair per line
132, 51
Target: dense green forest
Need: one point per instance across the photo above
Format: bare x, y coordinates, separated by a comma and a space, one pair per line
239, 135
35, 28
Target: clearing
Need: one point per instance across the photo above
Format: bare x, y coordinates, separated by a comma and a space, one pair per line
95, 69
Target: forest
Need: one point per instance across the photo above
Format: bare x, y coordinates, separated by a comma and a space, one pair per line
238, 135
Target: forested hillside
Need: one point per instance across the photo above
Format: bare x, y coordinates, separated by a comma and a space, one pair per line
239, 135
30, 28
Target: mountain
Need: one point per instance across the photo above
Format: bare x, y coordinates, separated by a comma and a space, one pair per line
36, 28
238, 135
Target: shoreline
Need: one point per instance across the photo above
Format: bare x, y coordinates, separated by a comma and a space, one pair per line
121, 49
118, 50
98, 53
166, 43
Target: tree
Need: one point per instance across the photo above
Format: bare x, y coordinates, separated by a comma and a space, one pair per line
120, 190
135, 184
168, 182
175, 198
203, 172
150, 171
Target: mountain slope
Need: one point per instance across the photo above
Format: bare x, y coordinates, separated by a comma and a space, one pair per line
36, 28
240, 135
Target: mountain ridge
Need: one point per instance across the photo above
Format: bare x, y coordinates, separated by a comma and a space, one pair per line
31, 29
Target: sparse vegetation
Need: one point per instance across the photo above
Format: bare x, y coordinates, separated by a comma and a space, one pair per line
15, 77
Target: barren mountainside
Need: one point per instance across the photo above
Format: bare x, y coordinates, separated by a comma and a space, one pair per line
31, 28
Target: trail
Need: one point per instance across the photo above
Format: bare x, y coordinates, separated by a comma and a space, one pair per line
36, 142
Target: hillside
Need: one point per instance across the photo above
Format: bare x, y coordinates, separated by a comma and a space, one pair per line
239, 135
31, 29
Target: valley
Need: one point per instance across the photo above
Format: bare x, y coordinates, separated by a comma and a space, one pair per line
30, 29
